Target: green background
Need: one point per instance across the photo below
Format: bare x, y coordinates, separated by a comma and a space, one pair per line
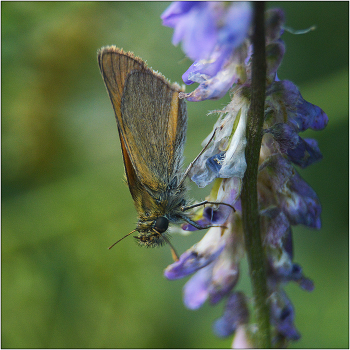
64, 200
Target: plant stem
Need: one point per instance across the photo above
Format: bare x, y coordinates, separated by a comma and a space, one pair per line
250, 210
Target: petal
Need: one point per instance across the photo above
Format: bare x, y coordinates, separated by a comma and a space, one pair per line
286, 102
237, 23
226, 267
201, 35
275, 172
211, 88
275, 225
305, 153
302, 152
281, 269
200, 255
301, 204
195, 24
282, 315
236, 313
285, 135
195, 291
204, 69
224, 278
229, 138
175, 11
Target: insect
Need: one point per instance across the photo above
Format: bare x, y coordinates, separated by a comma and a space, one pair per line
152, 123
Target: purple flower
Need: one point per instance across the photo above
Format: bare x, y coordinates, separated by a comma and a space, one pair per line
214, 262
284, 102
194, 24
280, 184
200, 255
216, 36
210, 33
201, 26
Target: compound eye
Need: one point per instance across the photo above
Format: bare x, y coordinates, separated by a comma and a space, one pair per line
161, 224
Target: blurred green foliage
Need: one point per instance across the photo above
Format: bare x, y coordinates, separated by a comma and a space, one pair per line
64, 201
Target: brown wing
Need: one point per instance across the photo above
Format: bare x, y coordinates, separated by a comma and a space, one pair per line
151, 122
154, 122
115, 65
142, 199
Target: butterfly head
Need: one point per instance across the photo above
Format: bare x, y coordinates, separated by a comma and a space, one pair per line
152, 232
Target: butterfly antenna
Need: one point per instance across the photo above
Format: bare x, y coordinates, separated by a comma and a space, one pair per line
121, 239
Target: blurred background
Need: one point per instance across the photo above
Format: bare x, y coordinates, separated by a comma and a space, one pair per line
64, 200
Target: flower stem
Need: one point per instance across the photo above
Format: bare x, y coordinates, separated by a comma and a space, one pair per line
250, 211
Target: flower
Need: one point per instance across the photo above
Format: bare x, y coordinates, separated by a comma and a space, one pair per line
223, 62
215, 262
224, 157
194, 24
210, 33
202, 26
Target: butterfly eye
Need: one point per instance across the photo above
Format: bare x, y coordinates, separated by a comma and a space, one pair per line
161, 224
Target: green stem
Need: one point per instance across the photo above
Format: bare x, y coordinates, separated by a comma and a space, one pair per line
250, 210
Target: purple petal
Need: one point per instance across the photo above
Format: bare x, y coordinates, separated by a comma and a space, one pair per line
226, 267
204, 69
302, 205
286, 136
282, 315
176, 9
236, 313
275, 172
306, 284
310, 116
195, 25
305, 153
302, 152
217, 214
200, 255
211, 88
211, 216
286, 101
288, 244
238, 20
276, 226
195, 291
285, 323
189, 262
282, 270
225, 277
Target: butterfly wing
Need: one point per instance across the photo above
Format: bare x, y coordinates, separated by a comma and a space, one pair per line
115, 65
155, 120
151, 120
